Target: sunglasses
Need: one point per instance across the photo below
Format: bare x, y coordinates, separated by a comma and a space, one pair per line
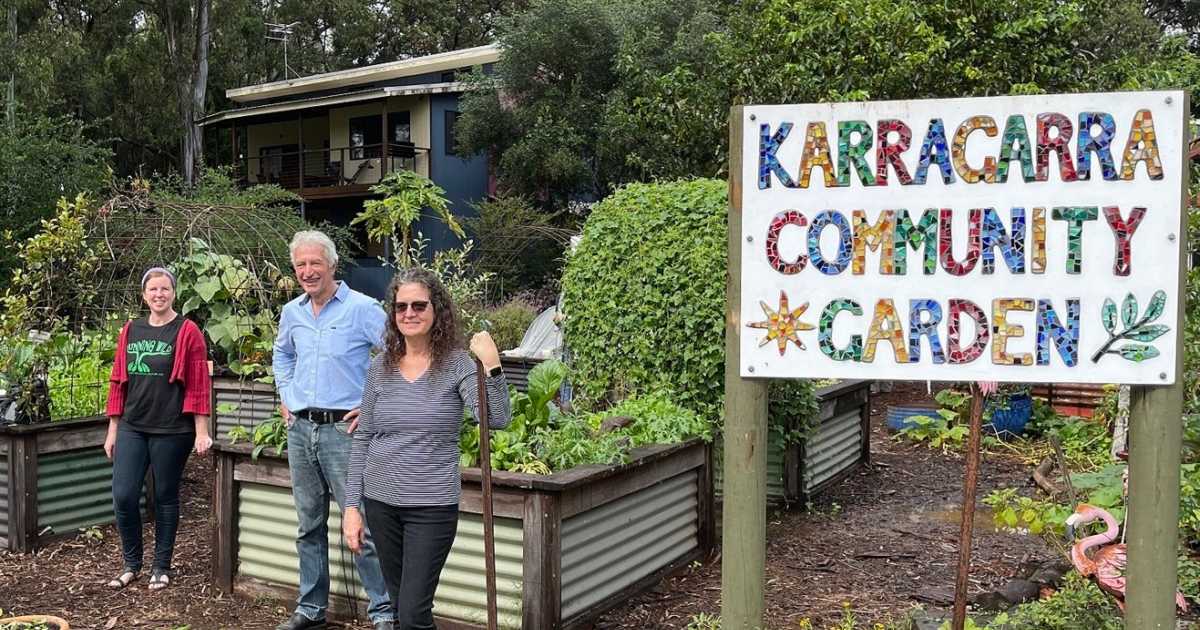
417, 307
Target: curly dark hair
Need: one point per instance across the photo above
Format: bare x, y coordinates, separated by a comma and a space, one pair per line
444, 336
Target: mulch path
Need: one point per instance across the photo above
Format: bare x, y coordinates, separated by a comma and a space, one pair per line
883, 540
68, 578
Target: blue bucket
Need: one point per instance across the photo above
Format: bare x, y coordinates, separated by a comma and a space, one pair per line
899, 417
1010, 421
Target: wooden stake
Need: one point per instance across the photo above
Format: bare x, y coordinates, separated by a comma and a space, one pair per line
968, 509
744, 518
1155, 439
485, 467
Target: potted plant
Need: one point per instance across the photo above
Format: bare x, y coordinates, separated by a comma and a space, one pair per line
1009, 409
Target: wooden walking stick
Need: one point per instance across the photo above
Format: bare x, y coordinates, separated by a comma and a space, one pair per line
485, 465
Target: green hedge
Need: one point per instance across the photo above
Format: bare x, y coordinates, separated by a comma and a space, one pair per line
644, 298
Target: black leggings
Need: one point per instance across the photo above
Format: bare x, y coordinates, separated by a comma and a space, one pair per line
166, 455
412, 543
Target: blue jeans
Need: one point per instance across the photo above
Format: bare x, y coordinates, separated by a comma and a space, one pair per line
165, 456
318, 455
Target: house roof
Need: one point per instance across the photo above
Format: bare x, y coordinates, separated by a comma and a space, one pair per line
369, 94
367, 74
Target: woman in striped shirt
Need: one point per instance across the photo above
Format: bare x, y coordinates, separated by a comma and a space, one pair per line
404, 462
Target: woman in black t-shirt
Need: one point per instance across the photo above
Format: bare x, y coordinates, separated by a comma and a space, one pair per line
158, 407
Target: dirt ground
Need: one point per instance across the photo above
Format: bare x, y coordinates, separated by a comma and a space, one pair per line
883, 540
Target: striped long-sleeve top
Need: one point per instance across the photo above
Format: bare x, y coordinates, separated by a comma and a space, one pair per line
405, 450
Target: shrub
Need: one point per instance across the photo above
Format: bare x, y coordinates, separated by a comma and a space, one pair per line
519, 243
644, 299
509, 323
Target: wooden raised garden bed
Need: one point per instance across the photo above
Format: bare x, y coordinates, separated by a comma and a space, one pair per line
568, 545
54, 479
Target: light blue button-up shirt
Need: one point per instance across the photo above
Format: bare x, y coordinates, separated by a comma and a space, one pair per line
321, 361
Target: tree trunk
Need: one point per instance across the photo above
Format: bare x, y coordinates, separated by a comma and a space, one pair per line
191, 76
11, 106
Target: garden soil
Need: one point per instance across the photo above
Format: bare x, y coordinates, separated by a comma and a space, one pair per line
880, 542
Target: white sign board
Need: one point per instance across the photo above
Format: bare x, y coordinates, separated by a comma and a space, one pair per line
1024, 239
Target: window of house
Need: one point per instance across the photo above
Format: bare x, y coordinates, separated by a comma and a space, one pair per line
399, 127
451, 138
366, 135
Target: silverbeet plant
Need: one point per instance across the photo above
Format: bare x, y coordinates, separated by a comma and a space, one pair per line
1137, 332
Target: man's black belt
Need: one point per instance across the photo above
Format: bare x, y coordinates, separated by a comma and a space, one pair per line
322, 416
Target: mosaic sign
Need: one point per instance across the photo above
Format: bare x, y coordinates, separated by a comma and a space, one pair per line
1025, 239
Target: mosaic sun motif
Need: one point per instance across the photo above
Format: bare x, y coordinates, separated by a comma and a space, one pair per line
782, 325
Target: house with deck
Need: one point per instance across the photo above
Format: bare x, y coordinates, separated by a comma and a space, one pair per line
330, 137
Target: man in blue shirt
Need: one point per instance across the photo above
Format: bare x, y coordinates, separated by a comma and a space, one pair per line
321, 358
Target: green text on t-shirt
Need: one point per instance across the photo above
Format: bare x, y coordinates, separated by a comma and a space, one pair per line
139, 350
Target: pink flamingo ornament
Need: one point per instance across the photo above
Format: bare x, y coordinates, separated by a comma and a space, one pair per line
1099, 558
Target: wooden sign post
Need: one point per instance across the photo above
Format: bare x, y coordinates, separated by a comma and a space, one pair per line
744, 514
1020, 239
1155, 445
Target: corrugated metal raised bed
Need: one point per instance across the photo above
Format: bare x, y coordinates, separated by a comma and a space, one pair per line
54, 479
568, 545
252, 403
840, 443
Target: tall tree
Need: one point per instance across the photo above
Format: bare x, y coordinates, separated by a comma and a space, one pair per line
186, 25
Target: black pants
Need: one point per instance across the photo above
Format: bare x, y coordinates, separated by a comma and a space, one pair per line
412, 543
166, 455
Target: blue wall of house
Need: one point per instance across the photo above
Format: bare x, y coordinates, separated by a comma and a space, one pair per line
464, 178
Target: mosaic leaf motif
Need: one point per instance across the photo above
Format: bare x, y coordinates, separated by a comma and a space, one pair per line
1129, 310
1157, 302
1109, 314
1140, 330
1138, 352
1150, 333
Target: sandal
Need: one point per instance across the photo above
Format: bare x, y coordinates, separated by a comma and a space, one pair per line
159, 581
124, 579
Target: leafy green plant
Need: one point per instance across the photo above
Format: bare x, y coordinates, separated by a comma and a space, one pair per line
531, 411
656, 420
238, 433
406, 196
270, 432
941, 431
650, 272
55, 275
237, 309
507, 323
1189, 502
573, 442
1013, 511
792, 409
78, 370
1188, 570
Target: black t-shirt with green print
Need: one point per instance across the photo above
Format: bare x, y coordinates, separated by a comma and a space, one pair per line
152, 403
